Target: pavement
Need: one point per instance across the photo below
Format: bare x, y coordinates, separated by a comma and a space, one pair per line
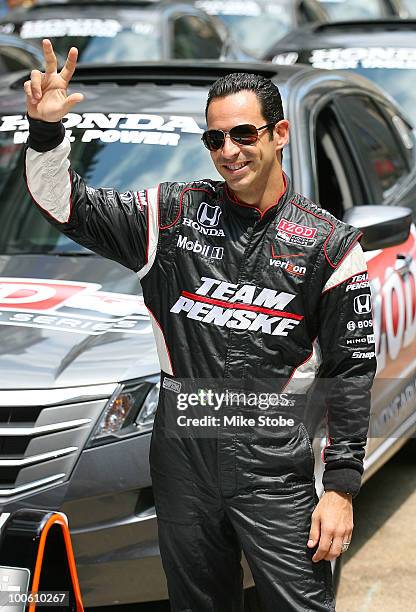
379, 572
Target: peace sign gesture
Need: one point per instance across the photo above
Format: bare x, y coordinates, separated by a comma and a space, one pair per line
46, 92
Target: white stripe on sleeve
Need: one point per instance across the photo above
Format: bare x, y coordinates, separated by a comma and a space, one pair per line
354, 263
152, 229
48, 180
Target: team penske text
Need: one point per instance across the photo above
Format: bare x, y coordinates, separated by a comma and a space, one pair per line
224, 304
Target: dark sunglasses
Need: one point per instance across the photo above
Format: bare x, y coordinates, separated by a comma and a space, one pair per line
246, 134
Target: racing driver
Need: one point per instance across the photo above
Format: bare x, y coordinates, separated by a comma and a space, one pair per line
270, 296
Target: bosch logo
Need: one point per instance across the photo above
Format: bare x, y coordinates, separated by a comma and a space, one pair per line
207, 215
351, 325
362, 304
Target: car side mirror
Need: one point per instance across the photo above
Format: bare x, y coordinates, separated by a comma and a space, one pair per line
382, 226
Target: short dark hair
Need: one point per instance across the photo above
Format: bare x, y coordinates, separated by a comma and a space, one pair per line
267, 93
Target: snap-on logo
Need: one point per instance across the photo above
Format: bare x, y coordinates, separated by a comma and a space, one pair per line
293, 233
208, 215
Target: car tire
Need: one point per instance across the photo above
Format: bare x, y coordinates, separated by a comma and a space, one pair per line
336, 566
251, 601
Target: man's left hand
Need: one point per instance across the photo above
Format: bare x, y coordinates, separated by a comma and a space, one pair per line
332, 525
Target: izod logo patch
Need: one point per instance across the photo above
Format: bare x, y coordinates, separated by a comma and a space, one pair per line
293, 233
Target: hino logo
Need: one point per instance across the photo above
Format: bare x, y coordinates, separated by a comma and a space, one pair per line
207, 215
362, 304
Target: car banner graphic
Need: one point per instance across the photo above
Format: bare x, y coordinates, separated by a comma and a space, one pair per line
70, 306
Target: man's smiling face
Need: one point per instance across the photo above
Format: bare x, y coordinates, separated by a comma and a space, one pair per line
245, 168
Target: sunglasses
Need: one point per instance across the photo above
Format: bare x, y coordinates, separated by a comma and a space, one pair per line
245, 134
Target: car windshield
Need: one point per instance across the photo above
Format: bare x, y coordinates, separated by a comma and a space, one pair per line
254, 25
410, 7
119, 158
391, 68
353, 9
395, 81
98, 40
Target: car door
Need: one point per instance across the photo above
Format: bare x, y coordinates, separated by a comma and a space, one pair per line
362, 152
384, 146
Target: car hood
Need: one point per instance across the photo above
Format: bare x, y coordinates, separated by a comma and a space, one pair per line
89, 327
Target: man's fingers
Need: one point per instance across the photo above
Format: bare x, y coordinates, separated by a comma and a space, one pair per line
28, 91
51, 64
71, 100
325, 542
314, 532
335, 548
70, 64
36, 84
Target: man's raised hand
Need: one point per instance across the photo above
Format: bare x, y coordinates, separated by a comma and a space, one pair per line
46, 92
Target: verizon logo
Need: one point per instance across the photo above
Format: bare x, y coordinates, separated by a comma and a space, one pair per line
288, 267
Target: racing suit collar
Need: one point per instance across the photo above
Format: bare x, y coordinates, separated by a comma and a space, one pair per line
248, 210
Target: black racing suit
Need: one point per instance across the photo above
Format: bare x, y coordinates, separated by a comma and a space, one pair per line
256, 300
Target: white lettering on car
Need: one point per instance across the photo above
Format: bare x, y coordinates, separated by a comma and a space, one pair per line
394, 311
366, 57
129, 128
53, 28
70, 306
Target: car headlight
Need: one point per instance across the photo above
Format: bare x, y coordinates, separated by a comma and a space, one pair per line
130, 412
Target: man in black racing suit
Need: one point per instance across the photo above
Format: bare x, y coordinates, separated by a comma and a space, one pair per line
244, 281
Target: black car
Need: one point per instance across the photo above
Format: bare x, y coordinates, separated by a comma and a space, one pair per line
383, 51
78, 363
340, 10
107, 31
257, 24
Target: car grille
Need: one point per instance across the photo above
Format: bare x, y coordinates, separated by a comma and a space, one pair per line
42, 434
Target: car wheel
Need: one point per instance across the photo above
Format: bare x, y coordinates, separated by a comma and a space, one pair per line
251, 601
336, 566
